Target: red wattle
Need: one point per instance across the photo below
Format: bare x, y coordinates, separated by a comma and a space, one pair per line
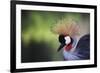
68, 47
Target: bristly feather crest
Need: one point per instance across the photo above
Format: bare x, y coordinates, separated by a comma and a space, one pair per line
66, 27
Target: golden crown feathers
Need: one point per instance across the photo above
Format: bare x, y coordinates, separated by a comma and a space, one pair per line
66, 27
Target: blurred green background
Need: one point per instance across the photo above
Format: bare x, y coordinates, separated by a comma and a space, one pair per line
38, 42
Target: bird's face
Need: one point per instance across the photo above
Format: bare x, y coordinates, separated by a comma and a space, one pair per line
65, 41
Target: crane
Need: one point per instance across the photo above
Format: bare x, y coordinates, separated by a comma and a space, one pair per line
73, 47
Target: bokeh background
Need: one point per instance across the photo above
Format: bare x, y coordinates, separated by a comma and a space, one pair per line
38, 42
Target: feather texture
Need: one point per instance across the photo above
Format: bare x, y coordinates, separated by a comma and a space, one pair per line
64, 27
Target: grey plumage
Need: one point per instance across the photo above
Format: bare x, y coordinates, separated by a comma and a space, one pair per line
83, 47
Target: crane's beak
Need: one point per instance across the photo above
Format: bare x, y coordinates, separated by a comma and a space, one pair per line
60, 47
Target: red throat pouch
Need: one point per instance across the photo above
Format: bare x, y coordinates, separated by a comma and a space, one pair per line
68, 47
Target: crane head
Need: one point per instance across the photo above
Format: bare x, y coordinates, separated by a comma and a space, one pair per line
66, 29
65, 41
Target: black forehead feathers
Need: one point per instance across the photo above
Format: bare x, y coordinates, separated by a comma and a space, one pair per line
61, 39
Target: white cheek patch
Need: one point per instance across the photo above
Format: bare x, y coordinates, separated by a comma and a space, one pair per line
67, 39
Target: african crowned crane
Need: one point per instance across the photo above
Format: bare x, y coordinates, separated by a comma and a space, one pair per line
74, 48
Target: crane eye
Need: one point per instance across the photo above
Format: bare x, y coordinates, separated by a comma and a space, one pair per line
67, 39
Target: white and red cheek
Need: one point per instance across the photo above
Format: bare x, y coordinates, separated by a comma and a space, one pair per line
67, 40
